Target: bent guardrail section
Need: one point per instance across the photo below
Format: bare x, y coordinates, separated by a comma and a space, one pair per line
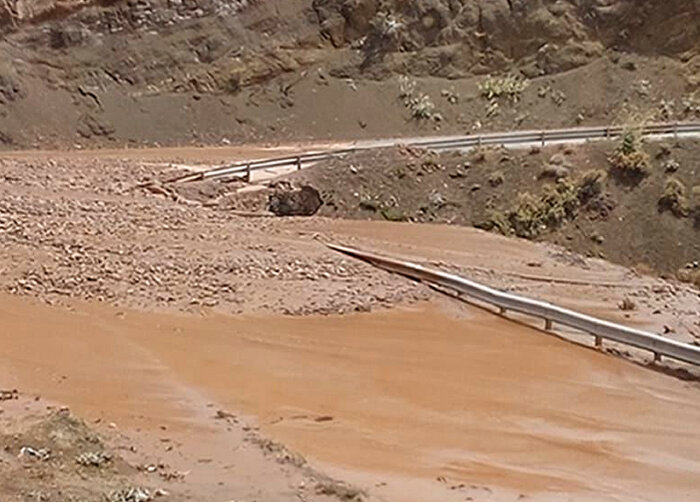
509, 138
601, 329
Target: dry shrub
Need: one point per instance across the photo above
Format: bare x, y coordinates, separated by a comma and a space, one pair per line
690, 276
509, 86
674, 199
627, 305
533, 215
591, 185
496, 179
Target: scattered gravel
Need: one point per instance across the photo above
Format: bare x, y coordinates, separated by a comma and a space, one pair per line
84, 230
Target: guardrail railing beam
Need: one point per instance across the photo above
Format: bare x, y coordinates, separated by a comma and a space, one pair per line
509, 138
600, 329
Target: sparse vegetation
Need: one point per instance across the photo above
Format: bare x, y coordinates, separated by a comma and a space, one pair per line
690, 106
134, 494
422, 108
671, 166
407, 87
93, 459
450, 95
591, 184
533, 215
419, 104
510, 87
675, 198
370, 205
342, 491
558, 97
629, 162
695, 211
394, 214
232, 84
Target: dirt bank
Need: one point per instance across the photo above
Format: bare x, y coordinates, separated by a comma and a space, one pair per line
50, 454
524, 193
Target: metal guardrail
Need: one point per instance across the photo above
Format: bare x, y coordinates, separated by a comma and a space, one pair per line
506, 139
600, 329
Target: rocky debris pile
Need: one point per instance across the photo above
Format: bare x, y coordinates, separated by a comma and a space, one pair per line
80, 230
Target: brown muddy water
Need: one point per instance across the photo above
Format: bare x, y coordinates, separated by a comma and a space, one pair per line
408, 400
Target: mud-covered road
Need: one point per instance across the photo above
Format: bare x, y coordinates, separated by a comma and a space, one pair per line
433, 402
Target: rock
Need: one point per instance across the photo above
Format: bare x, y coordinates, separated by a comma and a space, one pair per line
555, 171
437, 199
558, 159
5, 138
671, 166
289, 201
90, 125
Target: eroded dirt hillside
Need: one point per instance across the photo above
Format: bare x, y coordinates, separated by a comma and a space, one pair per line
212, 71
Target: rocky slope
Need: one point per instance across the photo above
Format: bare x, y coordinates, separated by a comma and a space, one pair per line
183, 71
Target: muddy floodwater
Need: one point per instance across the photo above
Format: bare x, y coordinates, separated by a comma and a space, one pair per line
407, 400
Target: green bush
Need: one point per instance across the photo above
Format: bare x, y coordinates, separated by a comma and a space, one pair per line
629, 161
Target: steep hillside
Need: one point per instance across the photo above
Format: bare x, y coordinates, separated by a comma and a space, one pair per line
211, 71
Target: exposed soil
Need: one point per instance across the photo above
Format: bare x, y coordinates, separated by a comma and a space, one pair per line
95, 228
48, 454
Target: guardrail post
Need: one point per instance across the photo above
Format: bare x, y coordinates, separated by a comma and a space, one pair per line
478, 141
548, 324
298, 163
247, 173
675, 131
543, 139
502, 310
599, 341
657, 357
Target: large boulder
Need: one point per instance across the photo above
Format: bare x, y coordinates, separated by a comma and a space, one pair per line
287, 200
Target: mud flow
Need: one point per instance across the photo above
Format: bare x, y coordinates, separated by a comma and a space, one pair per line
420, 403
